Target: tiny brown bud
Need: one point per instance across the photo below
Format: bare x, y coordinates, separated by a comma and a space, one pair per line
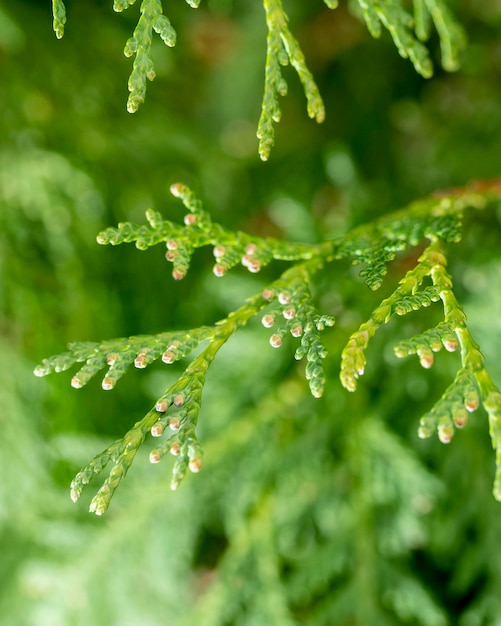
219, 270
174, 424
275, 341
172, 244
195, 465
450, 344
219, 251
111, 358
445, 433
426, 359
76, 382
174, 449
250, 248
268, 294
108, 383
155, 456
284, 297
157, 430
289, 313
471, 404
168, 357
177, 189
178, 400
267, 320
254, 267
170, 255
178, 274
190, 219
141, 361
162, 406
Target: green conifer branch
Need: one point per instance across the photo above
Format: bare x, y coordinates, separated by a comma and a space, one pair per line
59, 15
281, 49
290, 311
408, 33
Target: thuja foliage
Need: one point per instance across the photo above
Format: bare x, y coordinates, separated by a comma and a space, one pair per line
409, 27
286, 307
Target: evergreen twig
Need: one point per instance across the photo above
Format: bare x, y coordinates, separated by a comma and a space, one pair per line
290, 310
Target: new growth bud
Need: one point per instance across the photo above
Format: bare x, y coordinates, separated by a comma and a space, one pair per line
168, 357
157, 430
76, 382
174, 424
195, 465
155, 456
275, 341
177, 189
141, 361
178, 400
178, 274
108, 383
219, 270
190, 219
267, 320
162, 406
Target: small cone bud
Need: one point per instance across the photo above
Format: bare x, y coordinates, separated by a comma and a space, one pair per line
250, 248
268, 294
219, 270
450, 344
76, 382
284, 297
161, 406
168, 357
461, 419
174, 449
178, 274
471, 404
445, 433
174, 424
111, 358
289, 313
275, 341
170, 255
195, 465
190, 219
155, 456
426, 359
172, 244
254, 267
178, 400
177, 189
108, 383
157, 430
296, 331
267, 320
219, 251
140, 361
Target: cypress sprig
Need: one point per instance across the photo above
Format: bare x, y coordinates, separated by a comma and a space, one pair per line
290, 310
229, 247
407, 297
409, 31
59, 15
151, 19
281, 49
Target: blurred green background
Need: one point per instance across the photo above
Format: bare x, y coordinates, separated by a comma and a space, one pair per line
317, 512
